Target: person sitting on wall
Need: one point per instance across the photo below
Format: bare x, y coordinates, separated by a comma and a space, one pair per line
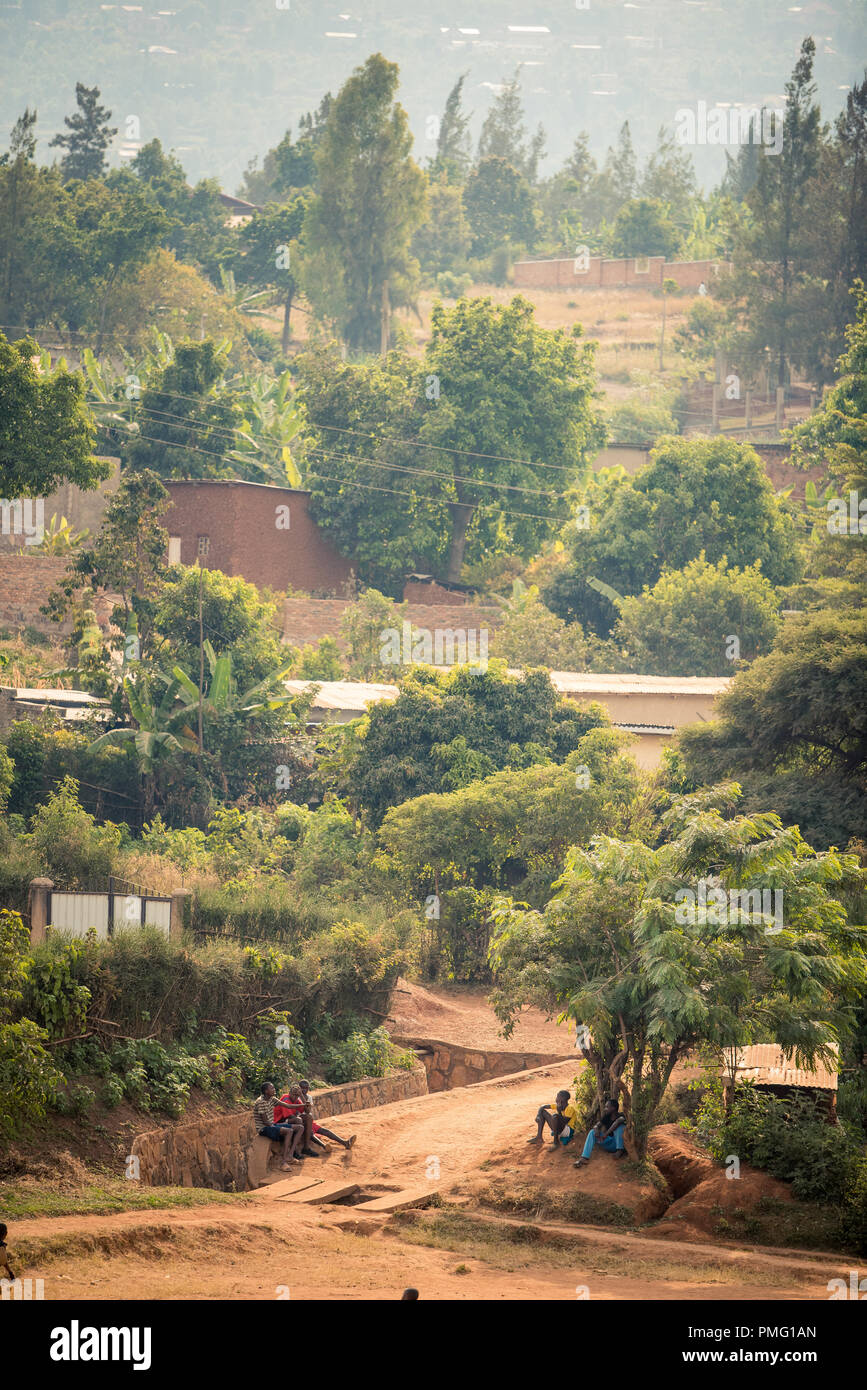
317, 1129
608, 1132
561, 1119
288, 1133
297, 1105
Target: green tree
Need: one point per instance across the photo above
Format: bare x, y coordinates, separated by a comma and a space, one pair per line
187, 416
453, 141
194, 216
16, 174
466, 722
513, 424
127, 558
88, 136
369, 202
626, 949
643, 228
443, 241
791, 726
46, 429
504, 136
499, 206
235, 618
694, 495
669, 178
698, 621
271, 254
774, 256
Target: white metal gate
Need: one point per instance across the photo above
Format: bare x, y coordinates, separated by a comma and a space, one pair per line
107, 913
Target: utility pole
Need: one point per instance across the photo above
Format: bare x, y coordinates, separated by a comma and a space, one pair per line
201, 656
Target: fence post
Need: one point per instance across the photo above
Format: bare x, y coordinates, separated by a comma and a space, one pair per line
38, 907
176, 912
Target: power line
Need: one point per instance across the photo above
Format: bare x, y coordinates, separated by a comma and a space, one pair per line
367, 487
205, 428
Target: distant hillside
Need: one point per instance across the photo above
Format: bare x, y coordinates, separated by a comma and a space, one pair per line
220, 81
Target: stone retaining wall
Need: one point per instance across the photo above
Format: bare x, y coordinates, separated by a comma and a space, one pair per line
448, 1066
222, 1152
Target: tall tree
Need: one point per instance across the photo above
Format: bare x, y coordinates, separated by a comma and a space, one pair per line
271, 250
16, 166
499, 206
370, 200
504, 135
88, 136
631, 950
774, 260
453, 141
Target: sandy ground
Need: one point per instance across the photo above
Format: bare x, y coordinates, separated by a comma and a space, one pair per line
465, 1018
270, 1249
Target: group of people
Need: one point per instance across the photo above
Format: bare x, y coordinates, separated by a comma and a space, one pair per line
290, 1121
563, 1120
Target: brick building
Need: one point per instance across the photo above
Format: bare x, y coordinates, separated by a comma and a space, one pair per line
262, 533
598, 272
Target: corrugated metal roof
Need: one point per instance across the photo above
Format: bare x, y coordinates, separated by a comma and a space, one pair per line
35, 695
622, 683
766, 1064
344, 695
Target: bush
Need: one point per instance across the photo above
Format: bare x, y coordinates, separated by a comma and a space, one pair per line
70, 845
788, 1138
362, 1055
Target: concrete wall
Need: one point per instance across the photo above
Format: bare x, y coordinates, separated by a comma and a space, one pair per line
226, 1153
81, 509
448, 1065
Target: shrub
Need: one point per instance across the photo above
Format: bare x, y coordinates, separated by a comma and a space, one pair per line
28, 1076
71, 847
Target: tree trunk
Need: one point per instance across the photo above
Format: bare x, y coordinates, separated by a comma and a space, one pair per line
287, 314
461, 514
385, 323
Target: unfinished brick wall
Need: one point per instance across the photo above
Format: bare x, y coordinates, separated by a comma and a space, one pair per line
25, 583
305, 620
602, 272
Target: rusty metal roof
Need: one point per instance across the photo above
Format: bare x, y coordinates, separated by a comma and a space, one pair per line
766, 1065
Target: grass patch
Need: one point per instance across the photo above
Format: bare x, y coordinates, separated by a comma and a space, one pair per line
582, 1207
19, 1200
513, 1247
807, 1225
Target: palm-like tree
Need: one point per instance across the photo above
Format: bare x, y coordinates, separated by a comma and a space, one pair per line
272, 421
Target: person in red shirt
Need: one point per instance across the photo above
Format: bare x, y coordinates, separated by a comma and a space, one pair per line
296, 1102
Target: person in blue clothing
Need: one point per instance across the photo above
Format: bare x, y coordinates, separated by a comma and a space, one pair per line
608, 1132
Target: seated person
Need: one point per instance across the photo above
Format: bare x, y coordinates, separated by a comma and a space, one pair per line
561, 1118
5, 1267
296, 1104
288, 1133
317, 1129
608, 1132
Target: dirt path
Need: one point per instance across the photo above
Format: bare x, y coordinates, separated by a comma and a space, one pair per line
262, 1246
464, 1017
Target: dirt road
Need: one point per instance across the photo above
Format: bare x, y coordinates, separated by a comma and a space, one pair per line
267, 1249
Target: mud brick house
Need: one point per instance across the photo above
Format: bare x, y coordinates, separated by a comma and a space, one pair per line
263, 534
595, 272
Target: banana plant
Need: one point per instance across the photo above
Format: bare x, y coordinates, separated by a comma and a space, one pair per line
272, 422
817, 504
244, 300
163, 726
222, 697
59, 537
